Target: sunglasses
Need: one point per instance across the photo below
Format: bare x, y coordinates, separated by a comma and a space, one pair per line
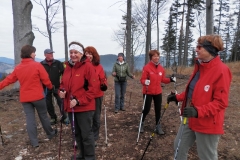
199, 46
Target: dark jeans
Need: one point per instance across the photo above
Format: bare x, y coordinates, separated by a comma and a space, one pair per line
83, 133
120, 90
50, 107
96, 117
157, 106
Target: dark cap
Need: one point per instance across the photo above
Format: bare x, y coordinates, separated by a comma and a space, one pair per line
46, 51
120, 55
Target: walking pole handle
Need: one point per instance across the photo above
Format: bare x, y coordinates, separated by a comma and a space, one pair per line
184, 120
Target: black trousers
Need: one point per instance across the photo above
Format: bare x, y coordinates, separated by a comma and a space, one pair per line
96, 117
157, 99
84, 134
50, 107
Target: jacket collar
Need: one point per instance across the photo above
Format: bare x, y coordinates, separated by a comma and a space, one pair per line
45, 62
121, 63
78, 64
209, 64
27, 60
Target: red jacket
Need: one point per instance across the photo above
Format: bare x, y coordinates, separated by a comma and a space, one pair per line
79, 81
31, 76
101, 79
156, 75
210, 96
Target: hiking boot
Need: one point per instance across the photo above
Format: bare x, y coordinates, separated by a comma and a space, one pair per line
159, 130
36, 148
95, 144
122, 109
77, 157
54, 135
65, 121
53, 121
142, 127
116, 110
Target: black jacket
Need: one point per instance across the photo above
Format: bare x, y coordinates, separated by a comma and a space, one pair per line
55, 70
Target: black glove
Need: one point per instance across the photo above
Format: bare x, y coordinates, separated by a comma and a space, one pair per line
172, 78
172, 97
190, 112
103, 87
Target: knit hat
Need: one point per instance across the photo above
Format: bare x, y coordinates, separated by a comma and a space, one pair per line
47, 51
120, 55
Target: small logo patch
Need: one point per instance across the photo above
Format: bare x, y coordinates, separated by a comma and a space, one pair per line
160, 73
77, 75
206, 88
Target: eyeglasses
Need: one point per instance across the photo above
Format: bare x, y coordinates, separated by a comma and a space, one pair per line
199, 46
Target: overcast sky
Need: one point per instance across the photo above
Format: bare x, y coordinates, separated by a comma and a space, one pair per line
91, 22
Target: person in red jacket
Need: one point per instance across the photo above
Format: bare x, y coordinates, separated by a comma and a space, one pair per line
94, 57
204, 101
153, 75
31, 75
78, 90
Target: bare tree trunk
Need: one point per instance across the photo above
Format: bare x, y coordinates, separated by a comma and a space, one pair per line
65, 30
157, 27
48, 27
22, 30
128, 33
185, 55
22, 27
148, 35
180, 39
209, 16
220, 17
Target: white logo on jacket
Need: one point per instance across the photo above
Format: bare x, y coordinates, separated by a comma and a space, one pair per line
160, 73
206, 88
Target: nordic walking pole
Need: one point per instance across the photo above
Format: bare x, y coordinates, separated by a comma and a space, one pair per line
165, 107
130, 98
73, 128
179, 109
1, 135
184, 121
105, 119
152, 135
60, 139
139, 127
180, 138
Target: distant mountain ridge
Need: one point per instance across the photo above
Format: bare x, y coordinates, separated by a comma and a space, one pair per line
107, 61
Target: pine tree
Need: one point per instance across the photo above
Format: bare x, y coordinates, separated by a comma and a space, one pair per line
190, 18
169, 39
235, 56
223, 11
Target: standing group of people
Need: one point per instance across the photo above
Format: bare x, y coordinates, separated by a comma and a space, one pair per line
204, 100
79, 95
